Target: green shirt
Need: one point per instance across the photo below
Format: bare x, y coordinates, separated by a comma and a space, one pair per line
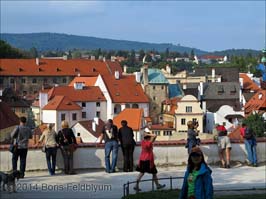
191, 182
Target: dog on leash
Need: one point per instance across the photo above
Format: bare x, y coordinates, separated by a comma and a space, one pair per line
9, 180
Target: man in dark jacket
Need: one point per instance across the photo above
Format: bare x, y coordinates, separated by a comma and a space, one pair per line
127, 141
21, 134
110, 136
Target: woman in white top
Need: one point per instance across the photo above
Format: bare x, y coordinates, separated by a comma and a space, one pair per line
50, 140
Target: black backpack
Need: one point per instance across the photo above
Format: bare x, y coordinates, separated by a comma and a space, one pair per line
249, 134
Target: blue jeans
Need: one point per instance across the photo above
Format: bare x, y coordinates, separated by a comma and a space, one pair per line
111, 146
51, 153
251, 150
22, 154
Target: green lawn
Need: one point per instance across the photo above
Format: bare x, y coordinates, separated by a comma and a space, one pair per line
174, 195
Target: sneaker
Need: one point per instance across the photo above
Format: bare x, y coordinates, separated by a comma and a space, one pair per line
160, 186
228, 166
255, 165
136, 189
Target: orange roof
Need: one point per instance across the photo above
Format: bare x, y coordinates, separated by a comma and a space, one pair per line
173, 104
132, 116
235, 134
88, 81
61, 103
257, 102
87, 94
8, 117
125, 89
56, 67
248, 84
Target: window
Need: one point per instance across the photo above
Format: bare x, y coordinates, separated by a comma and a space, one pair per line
74, 116
194, 120
24, 92
115, 110
83, 114
63, 117
158, 133
1, 81
23, 81
34, 80
154, 107
12, 81
183, 121
167, 133
45, 81
188, 109
64, 80
54, 80
162, 87
135, 106
98, 114
83, 104
153, 87
78, 134
154, 98
98, 104
23, 110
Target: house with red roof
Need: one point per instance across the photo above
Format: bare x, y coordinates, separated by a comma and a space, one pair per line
257, 103
88, 131
135, 119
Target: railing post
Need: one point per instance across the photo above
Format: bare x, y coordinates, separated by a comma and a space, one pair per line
171, 183
127, 188
124, 191
152, 185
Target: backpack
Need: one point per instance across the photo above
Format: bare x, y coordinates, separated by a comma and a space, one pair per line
249, 134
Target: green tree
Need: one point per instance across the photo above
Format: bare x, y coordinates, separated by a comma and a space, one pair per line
7, 51
257, 123
33, 52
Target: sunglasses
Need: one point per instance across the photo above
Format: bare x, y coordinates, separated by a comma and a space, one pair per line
195, 154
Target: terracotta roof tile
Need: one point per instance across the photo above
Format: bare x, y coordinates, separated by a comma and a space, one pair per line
132, 116
61, 103
56, 67
257, 102
88, 126
248, 84
88, 81
8, 117
125, 90
87, 94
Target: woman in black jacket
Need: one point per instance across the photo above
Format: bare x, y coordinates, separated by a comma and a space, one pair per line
67, 142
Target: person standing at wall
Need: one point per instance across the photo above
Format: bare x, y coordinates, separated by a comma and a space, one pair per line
126, 138
68, 143
191, 136
224, 146
146, 160
110, 136
250, 144
21, 134
197, 182
50, 139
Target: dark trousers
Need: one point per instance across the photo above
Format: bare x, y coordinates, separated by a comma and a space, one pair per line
128, 157
51, 154
22, 154
68, 159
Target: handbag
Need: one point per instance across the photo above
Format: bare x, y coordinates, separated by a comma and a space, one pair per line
71, 147
13, 148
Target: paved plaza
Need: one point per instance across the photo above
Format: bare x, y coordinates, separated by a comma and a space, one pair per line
98, 184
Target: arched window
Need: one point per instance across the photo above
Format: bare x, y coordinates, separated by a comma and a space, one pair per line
135, 106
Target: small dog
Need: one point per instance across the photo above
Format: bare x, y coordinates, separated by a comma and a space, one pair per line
9, 179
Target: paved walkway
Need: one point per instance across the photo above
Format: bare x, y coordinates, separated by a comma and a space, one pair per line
98, 184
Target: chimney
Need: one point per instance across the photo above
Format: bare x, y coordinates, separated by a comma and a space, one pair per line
125, 68
92, 57
117, 74
96, 120
37, 61
64, 57
201, 88
145, 75
213, 74
138, 76
94, 126
104, 59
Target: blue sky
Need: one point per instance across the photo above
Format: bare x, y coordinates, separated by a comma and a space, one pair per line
208, 25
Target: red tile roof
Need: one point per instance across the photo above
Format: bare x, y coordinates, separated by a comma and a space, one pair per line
248, 84
132, 116
88, 126
125, 89
88, 81
61, 103
8, 117
257, 102
56, 67
235, 134
173, 104
87, 94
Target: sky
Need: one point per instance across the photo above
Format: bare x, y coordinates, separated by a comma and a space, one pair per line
207, 25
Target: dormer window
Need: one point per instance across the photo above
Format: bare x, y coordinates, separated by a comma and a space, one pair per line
76, 70
93, 69
220, 90
58, 69
233, 90
1, 69
20, 69
39, 69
